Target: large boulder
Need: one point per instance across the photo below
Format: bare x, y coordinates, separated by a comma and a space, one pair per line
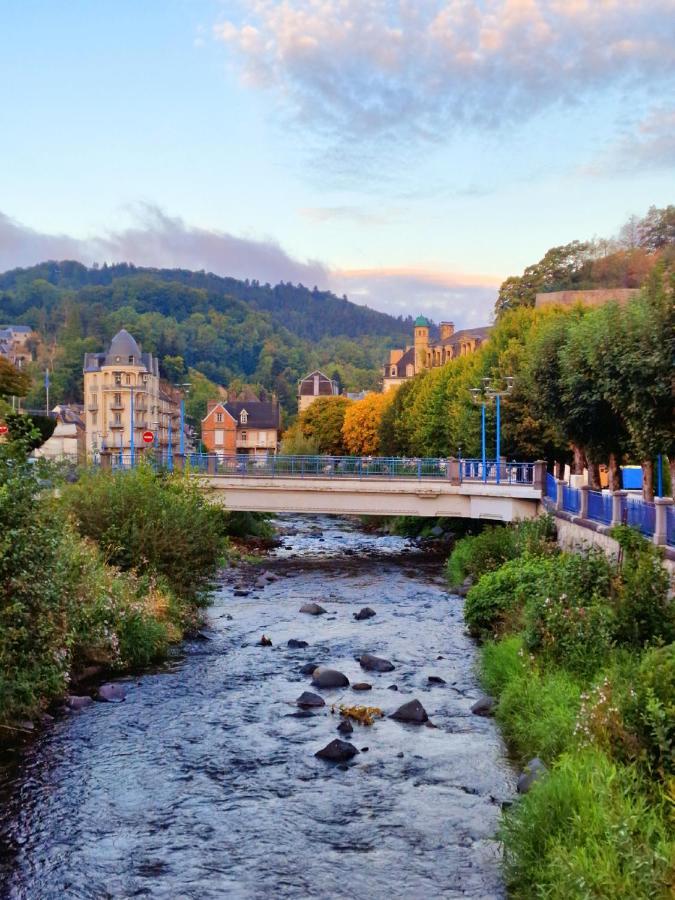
76, 702
375, 663
295, 644
365, 613
329, 678
307, 700
337, 751
412, 712
436, 679
308, 668
312, 609
534, 770
111, 693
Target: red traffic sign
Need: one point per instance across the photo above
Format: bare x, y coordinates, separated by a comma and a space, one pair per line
4, 429
148, 437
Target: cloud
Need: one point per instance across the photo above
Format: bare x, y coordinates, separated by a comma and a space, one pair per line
156, 239
355, 214
648, 145
415, 70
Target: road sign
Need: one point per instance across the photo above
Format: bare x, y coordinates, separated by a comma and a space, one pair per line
4, 429
148, 437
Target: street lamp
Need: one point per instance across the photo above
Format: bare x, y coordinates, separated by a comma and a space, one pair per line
186, 385
480, 396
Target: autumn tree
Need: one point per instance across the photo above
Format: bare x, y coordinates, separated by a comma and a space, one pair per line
322, 423
361, 427
13, 381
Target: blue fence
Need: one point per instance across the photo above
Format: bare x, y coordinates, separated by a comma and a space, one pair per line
249, 466
670, 526
600, 507
551, 487
639, 514
571, 499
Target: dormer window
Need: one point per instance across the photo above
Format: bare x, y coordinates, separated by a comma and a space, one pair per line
394, 371
243, 417
131, 360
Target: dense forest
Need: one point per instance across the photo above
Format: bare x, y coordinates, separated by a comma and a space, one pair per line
234, 333
624, 261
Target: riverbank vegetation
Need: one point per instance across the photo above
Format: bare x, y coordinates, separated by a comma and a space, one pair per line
104, 573
578, 652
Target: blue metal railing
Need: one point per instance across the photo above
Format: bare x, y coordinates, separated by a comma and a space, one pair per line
670, 526
640, 514
600, 507
551, 487
249, 466
571, 499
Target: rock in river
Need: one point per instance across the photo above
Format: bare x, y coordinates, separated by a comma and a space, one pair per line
75, 702
295, 644
307, 699
345, 727
111, 693
484, 706
534, 770
329, 678
365, 613
308, 668
362, 686
312, 609
375, 663
412, 711
337, 751
436, 679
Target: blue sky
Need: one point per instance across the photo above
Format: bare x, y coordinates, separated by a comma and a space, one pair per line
411, 154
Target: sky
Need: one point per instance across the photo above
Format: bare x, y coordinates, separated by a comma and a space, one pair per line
409, 153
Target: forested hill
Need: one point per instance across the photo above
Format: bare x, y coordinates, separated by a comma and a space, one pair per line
233, 332
311, 314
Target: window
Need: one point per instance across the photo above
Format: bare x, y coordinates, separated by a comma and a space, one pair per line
118, 399
410, 370
244, 437
128, 379
93, 418
93, 399
243, 418
118, 418
118, 378
131, 360
262, 438
219, 437
219, 417
393, 371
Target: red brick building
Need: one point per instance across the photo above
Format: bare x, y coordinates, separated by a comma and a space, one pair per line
244, 426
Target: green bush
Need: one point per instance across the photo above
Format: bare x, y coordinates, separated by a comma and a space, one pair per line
152, 523
494, 605
644, 613
501, 662
569, 619
476, 555
589, 829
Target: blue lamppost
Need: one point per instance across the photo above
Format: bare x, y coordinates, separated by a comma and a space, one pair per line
132, 446
482, 396
169, 461
659, 476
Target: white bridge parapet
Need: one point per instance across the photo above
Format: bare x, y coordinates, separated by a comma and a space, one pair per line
374, 496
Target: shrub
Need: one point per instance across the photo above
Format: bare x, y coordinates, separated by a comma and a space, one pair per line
487, 551
568, 618
644, 612
155, 523
494, 604
589, 829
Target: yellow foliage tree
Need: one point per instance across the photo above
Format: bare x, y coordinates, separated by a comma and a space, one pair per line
361, 427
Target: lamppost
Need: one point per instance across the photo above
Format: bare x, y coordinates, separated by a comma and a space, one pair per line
186, 385
132, 445
489, 392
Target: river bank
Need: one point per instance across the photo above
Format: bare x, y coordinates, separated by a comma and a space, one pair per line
204, 783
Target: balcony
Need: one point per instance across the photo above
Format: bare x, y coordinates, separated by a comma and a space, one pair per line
116, 426
117, 406
92, 407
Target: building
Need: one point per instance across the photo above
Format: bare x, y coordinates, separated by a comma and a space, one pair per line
68, 440
122, 384
15, 343
313, 386
428, 354
242, 426
596, 297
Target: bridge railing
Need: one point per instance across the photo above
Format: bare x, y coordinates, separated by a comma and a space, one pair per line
249, 466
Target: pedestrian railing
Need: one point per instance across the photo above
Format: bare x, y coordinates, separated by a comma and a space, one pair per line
551, 487
571, 499
250, 466
640, 514
600, 507
670, 526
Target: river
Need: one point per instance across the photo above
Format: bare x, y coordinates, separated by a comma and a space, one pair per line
203, 783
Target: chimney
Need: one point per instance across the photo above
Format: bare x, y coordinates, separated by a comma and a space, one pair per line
394, 356
447, 330
211, 405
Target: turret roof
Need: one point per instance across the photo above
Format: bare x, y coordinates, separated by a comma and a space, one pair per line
123, 345
422, 321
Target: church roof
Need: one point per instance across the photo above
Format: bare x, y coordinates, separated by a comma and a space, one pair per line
422, 321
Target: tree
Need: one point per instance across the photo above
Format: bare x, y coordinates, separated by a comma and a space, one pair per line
559, 269
13, 382
322, 423
361, 426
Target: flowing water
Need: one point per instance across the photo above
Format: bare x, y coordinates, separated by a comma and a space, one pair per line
203, 782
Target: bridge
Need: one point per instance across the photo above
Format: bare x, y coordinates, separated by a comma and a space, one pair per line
384, 486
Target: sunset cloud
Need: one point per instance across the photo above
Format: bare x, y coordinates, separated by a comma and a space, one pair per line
162, 241
418, 69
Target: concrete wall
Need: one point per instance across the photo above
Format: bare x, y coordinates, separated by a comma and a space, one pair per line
588, 298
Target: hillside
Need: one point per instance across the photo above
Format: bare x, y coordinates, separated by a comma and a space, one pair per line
231, 331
